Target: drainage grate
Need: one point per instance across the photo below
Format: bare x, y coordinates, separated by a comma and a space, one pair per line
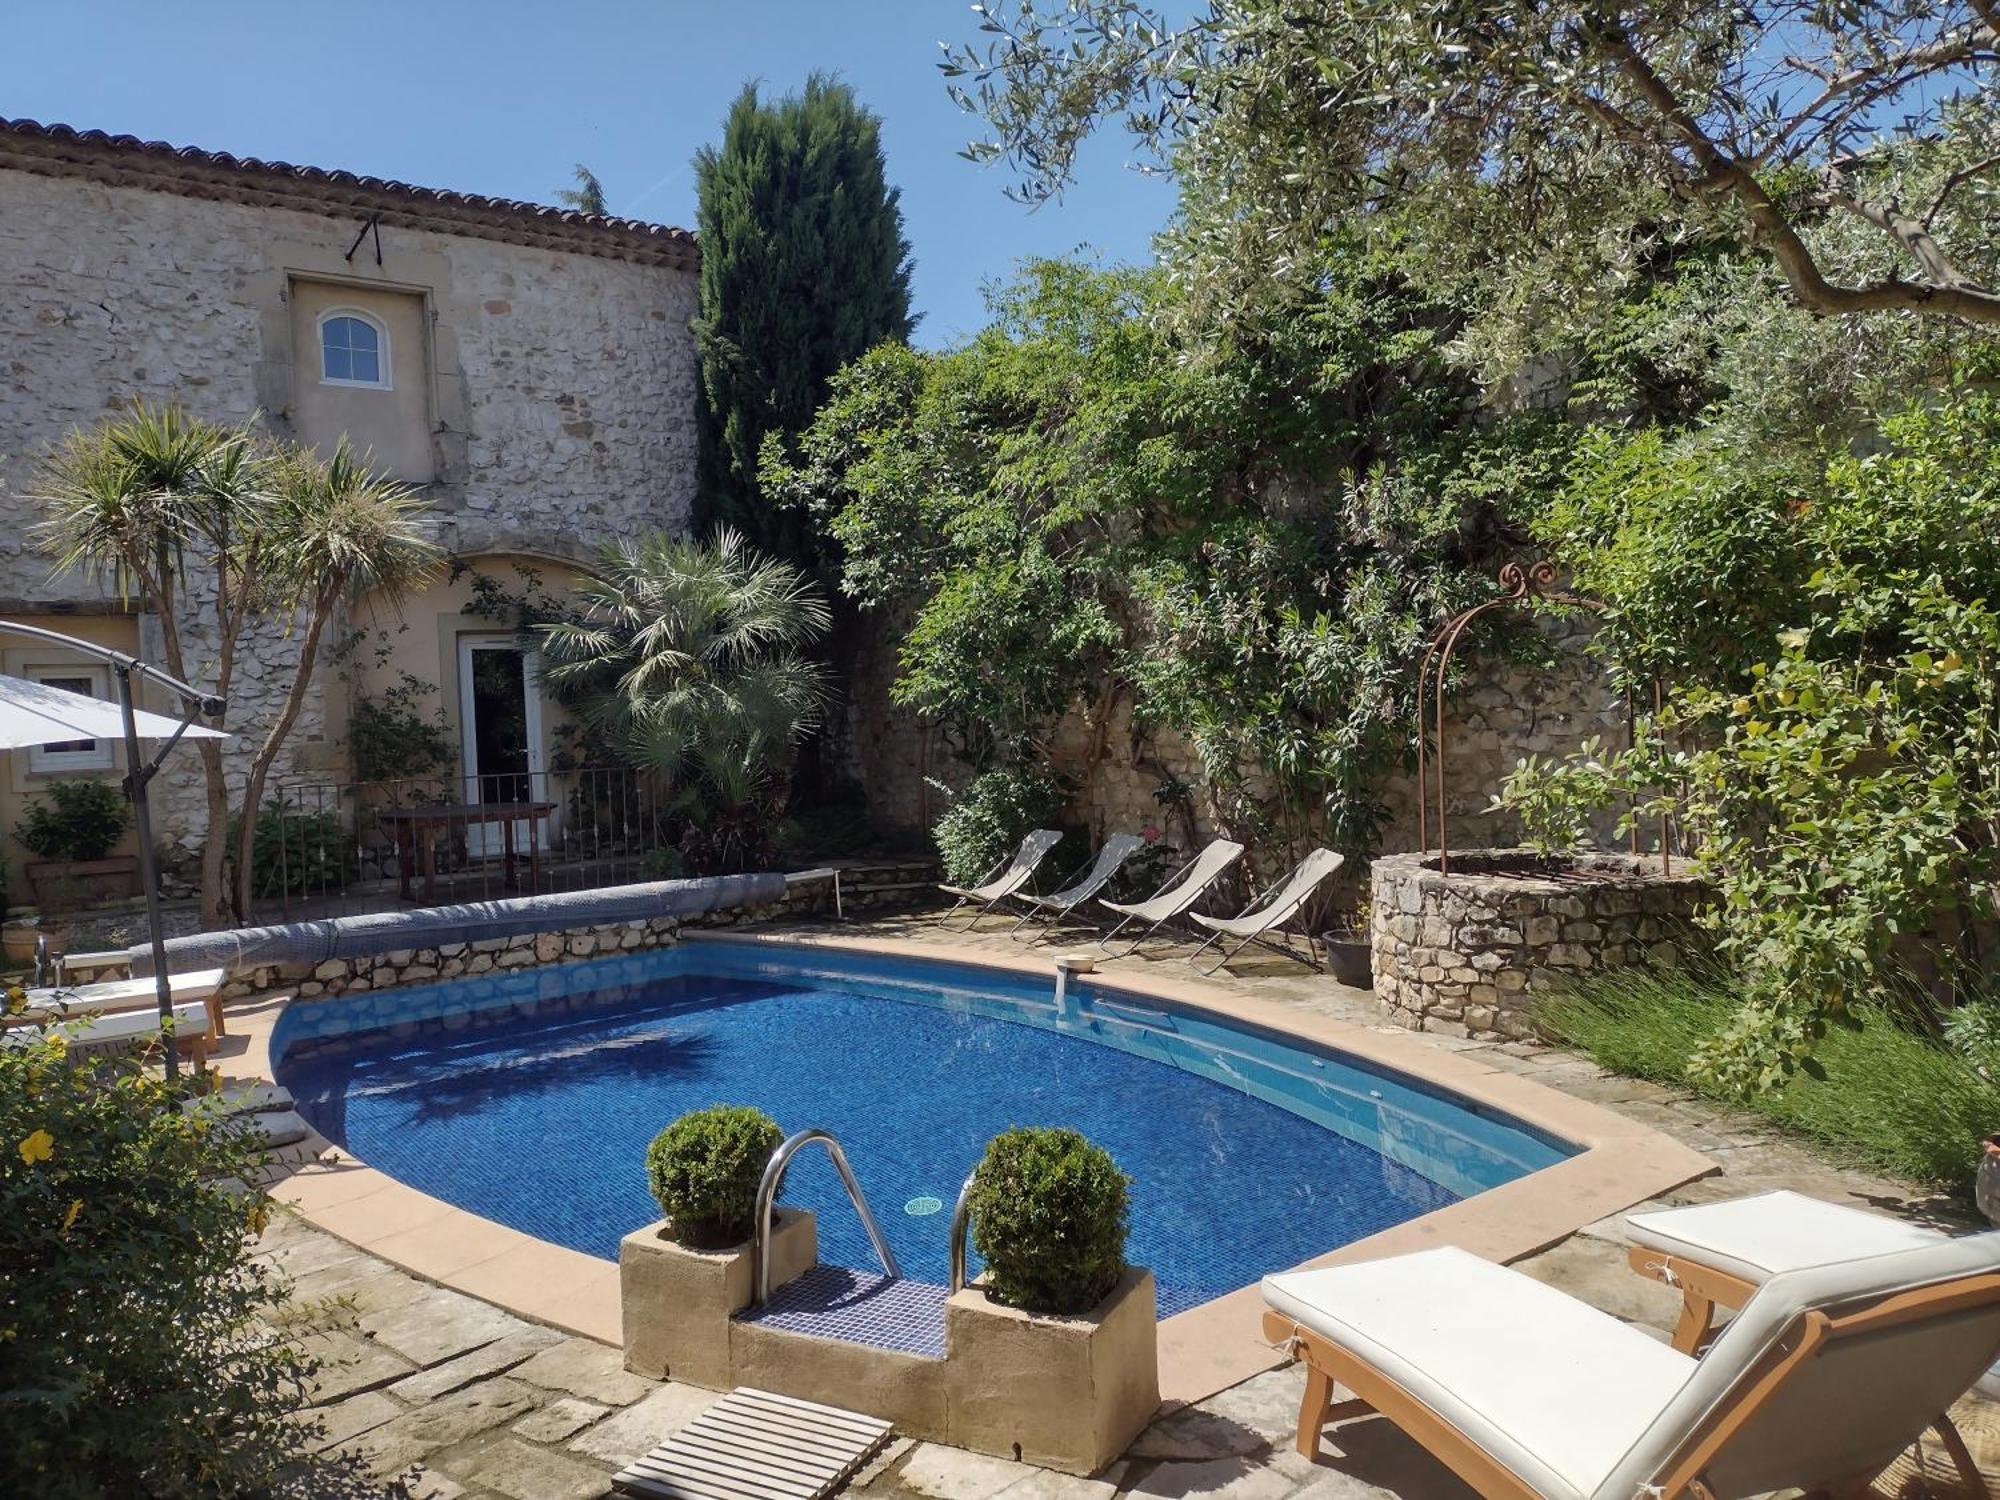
756, 1445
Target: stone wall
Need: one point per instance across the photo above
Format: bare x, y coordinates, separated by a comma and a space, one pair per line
562, 388
1467, 953
1501, 714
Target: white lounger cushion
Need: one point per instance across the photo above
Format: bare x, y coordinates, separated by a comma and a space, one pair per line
128, 994
1551, 1387
1759, 1237
190, 1019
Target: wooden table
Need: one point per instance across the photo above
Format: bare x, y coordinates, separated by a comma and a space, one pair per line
416, 830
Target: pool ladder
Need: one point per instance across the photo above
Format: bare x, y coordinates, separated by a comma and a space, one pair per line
767, 1197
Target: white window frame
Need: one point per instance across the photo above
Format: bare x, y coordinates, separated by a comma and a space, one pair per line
383, 361
45, 761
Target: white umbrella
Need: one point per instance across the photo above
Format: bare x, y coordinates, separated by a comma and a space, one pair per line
35, 713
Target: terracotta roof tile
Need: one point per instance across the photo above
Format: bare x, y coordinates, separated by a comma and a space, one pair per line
63, 150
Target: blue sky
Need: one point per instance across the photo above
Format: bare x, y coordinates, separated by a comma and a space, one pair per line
505, 97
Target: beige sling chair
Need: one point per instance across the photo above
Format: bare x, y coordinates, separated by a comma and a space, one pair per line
1004, 879
1717, 1255
1528, 1394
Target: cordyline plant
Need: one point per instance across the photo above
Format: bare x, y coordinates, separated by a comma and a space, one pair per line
215, 527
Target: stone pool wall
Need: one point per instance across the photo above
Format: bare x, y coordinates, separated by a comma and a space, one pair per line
1468, 952
865, 887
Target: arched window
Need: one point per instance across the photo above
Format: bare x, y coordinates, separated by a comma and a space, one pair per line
353, 349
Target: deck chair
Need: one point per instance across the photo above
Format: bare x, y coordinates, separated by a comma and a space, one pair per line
1719, 1254
1050, 910
1004, 879
1528, 1394
1268, 912
1182, 889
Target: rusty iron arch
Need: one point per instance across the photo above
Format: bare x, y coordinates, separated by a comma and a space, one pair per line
1520, 586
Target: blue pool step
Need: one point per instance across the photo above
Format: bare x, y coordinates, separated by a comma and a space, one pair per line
859, 1307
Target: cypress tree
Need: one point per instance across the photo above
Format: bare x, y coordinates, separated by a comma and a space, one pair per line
803, 268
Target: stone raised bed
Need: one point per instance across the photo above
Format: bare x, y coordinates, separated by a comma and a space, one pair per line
1468, 952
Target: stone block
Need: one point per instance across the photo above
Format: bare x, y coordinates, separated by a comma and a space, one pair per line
677, 1301
1062, 1393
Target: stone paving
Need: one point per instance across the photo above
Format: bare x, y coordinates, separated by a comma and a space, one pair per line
438, 1395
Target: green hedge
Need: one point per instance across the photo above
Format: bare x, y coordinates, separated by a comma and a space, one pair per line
704, 1170
1049, 1219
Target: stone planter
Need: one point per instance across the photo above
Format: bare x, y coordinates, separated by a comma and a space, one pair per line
677, 1301
1467, 951
1063, 1393
70, 884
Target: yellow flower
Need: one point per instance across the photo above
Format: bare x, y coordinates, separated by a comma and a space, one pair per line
17, 999
69, 1219
259, 1217
37, 1147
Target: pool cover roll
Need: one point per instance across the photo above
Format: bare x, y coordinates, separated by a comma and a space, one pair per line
244, 948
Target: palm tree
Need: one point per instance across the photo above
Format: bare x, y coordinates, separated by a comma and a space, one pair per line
688, 663
210, 526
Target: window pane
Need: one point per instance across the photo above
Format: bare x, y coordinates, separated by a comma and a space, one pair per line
84, 687
339, 363
360, 335
365, 366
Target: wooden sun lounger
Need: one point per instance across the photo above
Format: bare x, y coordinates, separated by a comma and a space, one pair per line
1528, 1394
114, 996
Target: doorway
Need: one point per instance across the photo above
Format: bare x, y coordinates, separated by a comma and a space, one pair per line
500, 723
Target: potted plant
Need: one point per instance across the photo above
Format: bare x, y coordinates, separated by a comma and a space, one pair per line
1349, 941
72, 827
1054, 1353
683, 1276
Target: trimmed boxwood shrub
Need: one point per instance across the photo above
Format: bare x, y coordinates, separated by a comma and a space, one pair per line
1049, 1219
704, 1168
75, 820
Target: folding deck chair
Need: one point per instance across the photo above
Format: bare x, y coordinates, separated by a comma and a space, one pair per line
1268, 912
1182, 889
1005, 878
1050, 910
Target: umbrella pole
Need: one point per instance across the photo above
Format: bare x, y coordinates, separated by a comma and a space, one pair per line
138, 773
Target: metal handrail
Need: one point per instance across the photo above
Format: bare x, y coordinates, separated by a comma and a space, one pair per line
961, 1219
767, 1196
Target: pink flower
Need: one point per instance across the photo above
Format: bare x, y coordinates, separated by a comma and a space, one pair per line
1149, 833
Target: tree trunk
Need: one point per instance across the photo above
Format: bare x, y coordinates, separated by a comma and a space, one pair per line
267, 753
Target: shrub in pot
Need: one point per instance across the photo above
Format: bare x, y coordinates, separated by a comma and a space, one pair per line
73, 827
704, 1170
1049, 1218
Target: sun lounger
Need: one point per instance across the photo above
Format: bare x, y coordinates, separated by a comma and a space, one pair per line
1718, 1254
1050, 910
114, 1030
116, 995
1269, 912
1005, 878
1183, 888
1528, 1394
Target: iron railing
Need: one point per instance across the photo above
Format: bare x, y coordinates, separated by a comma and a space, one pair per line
333, 847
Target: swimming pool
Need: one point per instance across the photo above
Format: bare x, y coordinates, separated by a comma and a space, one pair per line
529, 1097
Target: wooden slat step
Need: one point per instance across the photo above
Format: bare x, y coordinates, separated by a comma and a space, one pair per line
757, 1445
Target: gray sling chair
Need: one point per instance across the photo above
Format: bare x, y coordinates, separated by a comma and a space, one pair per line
1183, 888
1004, 879
1269, 912
1044, 914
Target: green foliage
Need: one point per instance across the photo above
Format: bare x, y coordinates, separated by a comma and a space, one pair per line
686, 661
1247, 543
1841, 772
296, 853
74, 820
132, 1352
988, 819
1049, 1219
803, 268
393, 736
587, 197
1550, 155
1888, 1097
705, 1168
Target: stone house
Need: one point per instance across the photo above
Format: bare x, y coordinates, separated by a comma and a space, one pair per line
531, 369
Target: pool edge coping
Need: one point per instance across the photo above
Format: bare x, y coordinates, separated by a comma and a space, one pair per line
1203, 1351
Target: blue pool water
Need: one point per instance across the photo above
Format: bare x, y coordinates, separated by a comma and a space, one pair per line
530, 1098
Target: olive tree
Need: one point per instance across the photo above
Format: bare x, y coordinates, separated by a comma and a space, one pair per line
1552, 148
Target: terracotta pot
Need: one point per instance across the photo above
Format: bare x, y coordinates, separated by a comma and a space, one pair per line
1986, 1186
70, 884
19, 938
